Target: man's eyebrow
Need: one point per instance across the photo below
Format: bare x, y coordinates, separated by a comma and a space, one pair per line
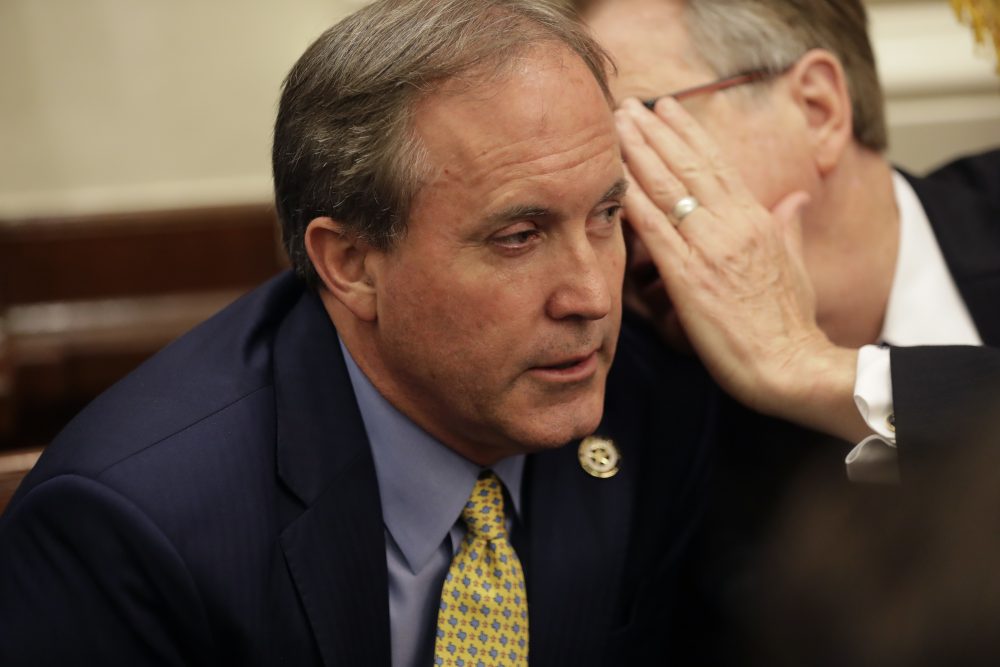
616, 191
529, 211
519, 212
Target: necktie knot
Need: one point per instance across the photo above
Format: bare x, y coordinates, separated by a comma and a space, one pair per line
483, 513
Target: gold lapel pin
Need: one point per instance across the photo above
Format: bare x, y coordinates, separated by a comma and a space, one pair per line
599, 457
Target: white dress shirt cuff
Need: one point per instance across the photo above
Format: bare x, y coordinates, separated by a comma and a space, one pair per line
873, 391
874, 459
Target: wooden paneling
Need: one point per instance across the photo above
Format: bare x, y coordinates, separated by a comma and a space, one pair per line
86, 299
63, 354
6, 384
97, 257
14, 465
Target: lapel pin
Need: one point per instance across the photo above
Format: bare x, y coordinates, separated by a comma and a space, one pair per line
599, 457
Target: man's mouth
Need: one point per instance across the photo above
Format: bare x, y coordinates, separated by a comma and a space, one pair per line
569, 369
565, 365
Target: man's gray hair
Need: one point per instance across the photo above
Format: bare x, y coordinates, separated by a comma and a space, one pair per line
734, 36
344, 145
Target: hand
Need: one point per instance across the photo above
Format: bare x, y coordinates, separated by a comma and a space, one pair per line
734, 273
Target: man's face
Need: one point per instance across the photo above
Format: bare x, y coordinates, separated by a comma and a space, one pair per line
498, 312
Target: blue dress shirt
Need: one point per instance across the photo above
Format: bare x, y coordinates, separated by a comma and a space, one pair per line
423, 486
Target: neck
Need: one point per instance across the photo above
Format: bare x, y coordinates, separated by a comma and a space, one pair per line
851, 235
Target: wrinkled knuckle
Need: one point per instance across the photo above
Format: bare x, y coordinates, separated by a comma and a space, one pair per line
646, 224
688, 171
663, 189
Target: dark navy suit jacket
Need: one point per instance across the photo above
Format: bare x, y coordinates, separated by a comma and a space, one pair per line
949, 396
220, 506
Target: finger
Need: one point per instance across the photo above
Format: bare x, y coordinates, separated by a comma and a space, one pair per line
660, 186
673, 114
665, 245
695, 173
647, 167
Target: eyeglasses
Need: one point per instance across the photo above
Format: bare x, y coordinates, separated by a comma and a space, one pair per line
740, 79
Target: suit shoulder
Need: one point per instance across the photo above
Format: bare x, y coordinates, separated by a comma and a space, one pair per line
203, 376
979, 172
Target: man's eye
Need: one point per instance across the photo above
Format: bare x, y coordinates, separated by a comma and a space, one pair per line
608, 218
517, 239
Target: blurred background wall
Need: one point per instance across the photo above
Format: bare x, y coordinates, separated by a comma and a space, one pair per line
126, 104
112, 105
943, 93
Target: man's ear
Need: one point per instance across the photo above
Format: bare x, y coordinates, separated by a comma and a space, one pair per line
819, 87
339, 257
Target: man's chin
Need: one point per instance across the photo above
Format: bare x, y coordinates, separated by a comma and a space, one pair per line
561, 427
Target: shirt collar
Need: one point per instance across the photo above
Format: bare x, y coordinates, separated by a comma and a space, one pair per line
423, 485
925, 306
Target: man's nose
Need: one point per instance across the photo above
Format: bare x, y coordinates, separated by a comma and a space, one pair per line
581, 288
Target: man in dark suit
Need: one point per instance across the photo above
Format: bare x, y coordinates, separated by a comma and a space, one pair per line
288, 483
850, 306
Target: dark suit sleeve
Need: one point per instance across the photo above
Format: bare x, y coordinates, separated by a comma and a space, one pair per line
980, 173
87, 578
944, 397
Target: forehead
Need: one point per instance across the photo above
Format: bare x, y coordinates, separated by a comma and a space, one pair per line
541, 120
649, 43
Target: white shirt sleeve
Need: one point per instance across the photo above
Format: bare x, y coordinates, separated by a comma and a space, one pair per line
875, 458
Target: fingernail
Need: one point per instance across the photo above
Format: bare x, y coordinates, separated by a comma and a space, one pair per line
634, 106
668, 105
622, 121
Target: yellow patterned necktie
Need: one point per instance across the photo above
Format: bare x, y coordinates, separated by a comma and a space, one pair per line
483, 618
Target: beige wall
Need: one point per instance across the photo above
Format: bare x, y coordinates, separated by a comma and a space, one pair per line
126, 104
134, 104
943, 95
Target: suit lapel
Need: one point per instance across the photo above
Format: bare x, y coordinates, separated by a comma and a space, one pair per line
967, 227
334, 542
577, 528
600, 554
